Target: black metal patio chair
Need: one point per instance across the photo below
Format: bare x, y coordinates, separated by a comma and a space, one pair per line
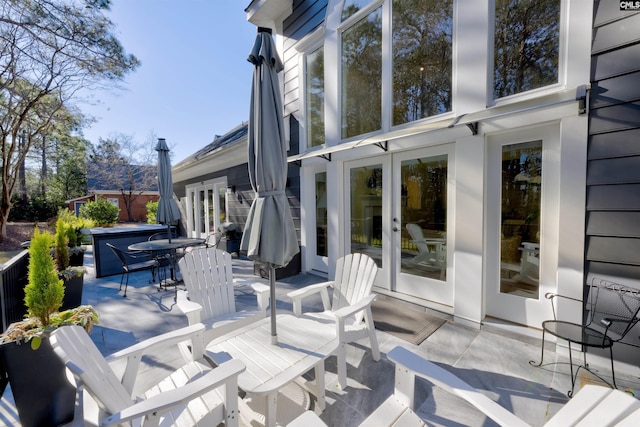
133, 261
611, 312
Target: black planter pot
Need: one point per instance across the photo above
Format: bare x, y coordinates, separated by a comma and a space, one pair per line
76, 259
43, 395
230, 245
72, 292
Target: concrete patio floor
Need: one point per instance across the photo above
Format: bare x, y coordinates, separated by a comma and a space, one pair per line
494, 359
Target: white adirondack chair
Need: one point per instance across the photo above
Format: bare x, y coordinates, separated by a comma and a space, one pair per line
592, 405
350, 306
209, 297
195, 394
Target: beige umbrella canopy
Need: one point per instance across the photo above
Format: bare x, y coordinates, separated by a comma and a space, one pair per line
269, 234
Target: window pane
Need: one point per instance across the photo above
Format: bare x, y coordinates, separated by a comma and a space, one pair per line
366, 211
424, 217
351, 7
520, 223
314, 96
321, 214
362, 76
211, 224
222, 202
421, 59
527, 40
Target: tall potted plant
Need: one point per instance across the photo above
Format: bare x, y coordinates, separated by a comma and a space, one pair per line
72, 276
41, 391
74, 226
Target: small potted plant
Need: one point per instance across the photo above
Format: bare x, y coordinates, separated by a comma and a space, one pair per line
72, 276
42, 393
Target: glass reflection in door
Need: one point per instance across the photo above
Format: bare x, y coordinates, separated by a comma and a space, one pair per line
520, 219
321, 214
423, 213
366, 211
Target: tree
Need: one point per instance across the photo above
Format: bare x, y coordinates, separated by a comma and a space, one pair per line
49, 50
120, 164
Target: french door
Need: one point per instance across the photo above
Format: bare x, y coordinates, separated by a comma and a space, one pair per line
397, 211
206, 207
521, 225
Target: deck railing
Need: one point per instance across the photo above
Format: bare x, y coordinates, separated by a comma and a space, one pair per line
13, 279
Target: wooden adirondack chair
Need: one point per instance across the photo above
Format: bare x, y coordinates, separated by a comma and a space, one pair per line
593, 405
195, 394
350, 306
209, 297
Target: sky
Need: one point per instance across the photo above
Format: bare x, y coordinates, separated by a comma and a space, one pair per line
194, 78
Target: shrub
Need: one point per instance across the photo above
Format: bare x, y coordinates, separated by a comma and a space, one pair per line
75, 224
45, 291
62, 245
101, 212
152, 210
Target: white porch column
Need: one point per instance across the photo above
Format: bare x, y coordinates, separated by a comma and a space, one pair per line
468, 295
573, 181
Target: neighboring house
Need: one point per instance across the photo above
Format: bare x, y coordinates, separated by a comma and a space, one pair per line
499, 128
121, 185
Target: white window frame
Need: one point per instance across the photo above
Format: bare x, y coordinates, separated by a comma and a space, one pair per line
194, 208
304, 47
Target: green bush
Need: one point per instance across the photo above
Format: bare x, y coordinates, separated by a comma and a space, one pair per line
75, 224
44, 292
62, 245
152, 210
101, 212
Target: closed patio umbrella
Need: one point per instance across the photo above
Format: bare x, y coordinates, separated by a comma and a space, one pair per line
168, 212
269, 234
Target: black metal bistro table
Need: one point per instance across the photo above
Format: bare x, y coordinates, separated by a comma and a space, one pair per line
581, 335
166, 246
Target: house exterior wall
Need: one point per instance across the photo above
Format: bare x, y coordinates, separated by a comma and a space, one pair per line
473, 236
613, 172
613, 179
138, 209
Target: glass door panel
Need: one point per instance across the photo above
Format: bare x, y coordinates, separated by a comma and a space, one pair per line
421, 190
211, 214
321, 215
520, 219
366, 211
423, 217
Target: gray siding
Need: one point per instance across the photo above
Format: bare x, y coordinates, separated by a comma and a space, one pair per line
613, 171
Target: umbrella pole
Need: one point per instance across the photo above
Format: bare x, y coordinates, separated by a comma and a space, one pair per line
169, 232
272, 287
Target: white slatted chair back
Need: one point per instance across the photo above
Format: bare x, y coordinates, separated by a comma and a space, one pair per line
208, 277
74, 346
355, 274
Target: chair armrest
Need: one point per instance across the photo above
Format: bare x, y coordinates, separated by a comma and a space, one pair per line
261, 290
299, 294
354, 308
189, 308
409, 365
134, 353
551, 295
225, 374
